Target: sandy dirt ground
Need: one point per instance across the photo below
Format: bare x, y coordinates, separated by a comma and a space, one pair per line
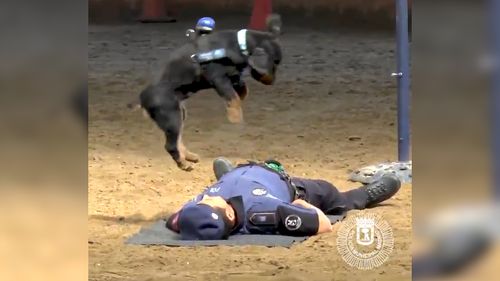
333, 85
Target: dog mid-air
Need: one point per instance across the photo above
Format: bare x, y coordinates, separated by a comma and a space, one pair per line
216, 61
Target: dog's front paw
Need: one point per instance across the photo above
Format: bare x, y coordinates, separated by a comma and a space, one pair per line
234, 111
234, 115
192, 157
185, 166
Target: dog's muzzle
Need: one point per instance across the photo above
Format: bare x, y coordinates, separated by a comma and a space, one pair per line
263, 77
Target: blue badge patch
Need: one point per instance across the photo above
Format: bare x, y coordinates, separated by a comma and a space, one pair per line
293, 222
259, 191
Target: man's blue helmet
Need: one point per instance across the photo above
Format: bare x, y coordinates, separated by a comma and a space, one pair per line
206, 23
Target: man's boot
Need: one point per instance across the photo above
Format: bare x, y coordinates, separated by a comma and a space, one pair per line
382, 189
221, 166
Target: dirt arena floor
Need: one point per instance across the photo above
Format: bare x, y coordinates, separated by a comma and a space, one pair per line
332, 110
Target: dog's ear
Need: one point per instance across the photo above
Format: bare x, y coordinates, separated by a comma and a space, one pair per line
260, 61
273, 23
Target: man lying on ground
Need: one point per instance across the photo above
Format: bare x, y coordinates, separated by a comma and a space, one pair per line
261, 198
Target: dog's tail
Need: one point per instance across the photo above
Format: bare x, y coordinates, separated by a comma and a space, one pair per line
134, 105
273, 23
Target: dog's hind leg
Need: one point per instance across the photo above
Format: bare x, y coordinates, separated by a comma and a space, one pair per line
190, 156
216, 74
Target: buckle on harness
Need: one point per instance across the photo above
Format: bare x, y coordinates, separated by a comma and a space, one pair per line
263, 219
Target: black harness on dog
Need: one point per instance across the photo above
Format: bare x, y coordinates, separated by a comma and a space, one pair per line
221, 53
209, 56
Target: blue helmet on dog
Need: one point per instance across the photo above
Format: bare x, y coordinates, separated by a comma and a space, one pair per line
206, 23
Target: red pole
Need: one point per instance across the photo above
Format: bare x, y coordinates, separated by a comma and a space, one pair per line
261, 9
154, 11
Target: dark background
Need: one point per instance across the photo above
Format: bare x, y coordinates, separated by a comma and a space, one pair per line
375, 13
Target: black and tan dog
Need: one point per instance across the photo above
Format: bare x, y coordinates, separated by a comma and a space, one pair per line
213, 61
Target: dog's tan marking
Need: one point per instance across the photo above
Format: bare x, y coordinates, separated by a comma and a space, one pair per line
188, 155
184, 165
183, 111
181, 162
183, 151
234, 111
267, 79
192, 157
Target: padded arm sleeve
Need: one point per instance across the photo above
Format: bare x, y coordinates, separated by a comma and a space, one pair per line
297, 221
